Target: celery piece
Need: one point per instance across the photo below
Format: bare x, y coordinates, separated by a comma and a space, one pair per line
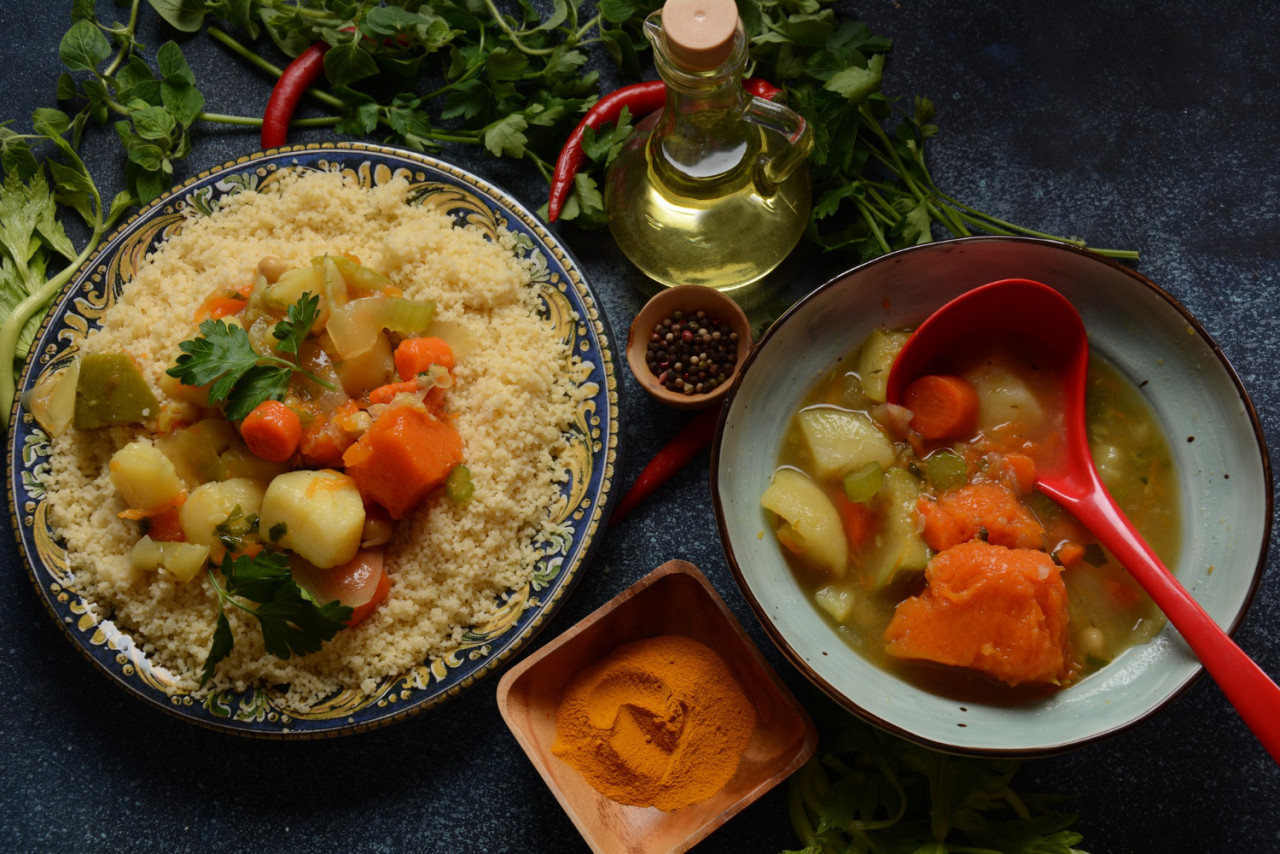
946, 469
863, 484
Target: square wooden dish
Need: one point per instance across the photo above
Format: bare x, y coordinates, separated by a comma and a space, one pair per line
673, 599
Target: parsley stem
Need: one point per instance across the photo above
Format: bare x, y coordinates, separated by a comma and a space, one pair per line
260, 63
873, 225
250, 121
995, 225
514, 36
582, 33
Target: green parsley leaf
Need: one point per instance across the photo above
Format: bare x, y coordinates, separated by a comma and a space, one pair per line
223, 358
291, 622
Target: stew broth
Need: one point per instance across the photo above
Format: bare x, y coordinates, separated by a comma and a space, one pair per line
843, 431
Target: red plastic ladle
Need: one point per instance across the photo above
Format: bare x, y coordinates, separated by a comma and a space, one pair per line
1032, 310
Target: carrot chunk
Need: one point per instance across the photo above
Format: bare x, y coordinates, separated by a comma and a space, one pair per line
943, 406
326, 437
965, 513
858, 520
1001, 612
405, 454
272, 431
1069, 554
415, 355
386, 393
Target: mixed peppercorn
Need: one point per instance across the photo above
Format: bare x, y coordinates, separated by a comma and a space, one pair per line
692, 353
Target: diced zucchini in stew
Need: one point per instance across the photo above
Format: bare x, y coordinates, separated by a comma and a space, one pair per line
811, 523
182, 560
876, 358
900, 547
840, 441
837, 600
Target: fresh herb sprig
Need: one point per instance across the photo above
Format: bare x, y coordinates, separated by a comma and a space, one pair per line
869, 791
292, 622
450, 71
224, 359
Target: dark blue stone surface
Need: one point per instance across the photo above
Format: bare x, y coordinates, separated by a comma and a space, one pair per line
1133, 125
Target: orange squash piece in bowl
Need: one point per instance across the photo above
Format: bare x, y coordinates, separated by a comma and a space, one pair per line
999, 611
961, 514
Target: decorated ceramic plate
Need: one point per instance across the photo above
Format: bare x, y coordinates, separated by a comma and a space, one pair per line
578, 513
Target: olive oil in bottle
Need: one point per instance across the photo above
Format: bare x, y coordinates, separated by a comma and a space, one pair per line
712, 190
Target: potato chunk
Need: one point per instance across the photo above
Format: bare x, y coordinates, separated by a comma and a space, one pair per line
144, 476
212, 504
317, 514
812, 525
840, 441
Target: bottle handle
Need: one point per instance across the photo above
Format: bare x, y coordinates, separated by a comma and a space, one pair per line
786, 122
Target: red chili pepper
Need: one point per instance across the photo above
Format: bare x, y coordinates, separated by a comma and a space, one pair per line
691, 439
640, 99
296, 79
761, 88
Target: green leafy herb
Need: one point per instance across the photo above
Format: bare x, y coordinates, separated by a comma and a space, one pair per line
449, 71
32, 239
223, 358
873, 792
292, 623
232, 531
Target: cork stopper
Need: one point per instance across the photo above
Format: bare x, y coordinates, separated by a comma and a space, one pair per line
699, 33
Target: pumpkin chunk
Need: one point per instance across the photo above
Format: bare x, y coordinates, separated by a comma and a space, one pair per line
999, 611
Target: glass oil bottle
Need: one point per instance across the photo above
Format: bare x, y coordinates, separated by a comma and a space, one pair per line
713, 189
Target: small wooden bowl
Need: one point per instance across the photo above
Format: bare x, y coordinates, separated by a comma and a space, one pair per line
673, 599
688, 299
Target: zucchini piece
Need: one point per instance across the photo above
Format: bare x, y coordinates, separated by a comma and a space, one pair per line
811, 524
875, 360
182, 560
900, 547
837, 600
840, 441
111, 390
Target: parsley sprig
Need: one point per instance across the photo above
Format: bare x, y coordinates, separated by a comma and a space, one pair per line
292, 622
224, 359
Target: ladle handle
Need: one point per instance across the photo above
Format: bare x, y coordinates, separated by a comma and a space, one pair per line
1254, 694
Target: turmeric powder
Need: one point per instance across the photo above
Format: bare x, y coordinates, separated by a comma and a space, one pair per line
659, 722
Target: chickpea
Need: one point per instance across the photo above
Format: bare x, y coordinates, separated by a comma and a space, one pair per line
272, 268
1092, 641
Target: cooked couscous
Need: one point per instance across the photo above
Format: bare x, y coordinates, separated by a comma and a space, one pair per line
513, 395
